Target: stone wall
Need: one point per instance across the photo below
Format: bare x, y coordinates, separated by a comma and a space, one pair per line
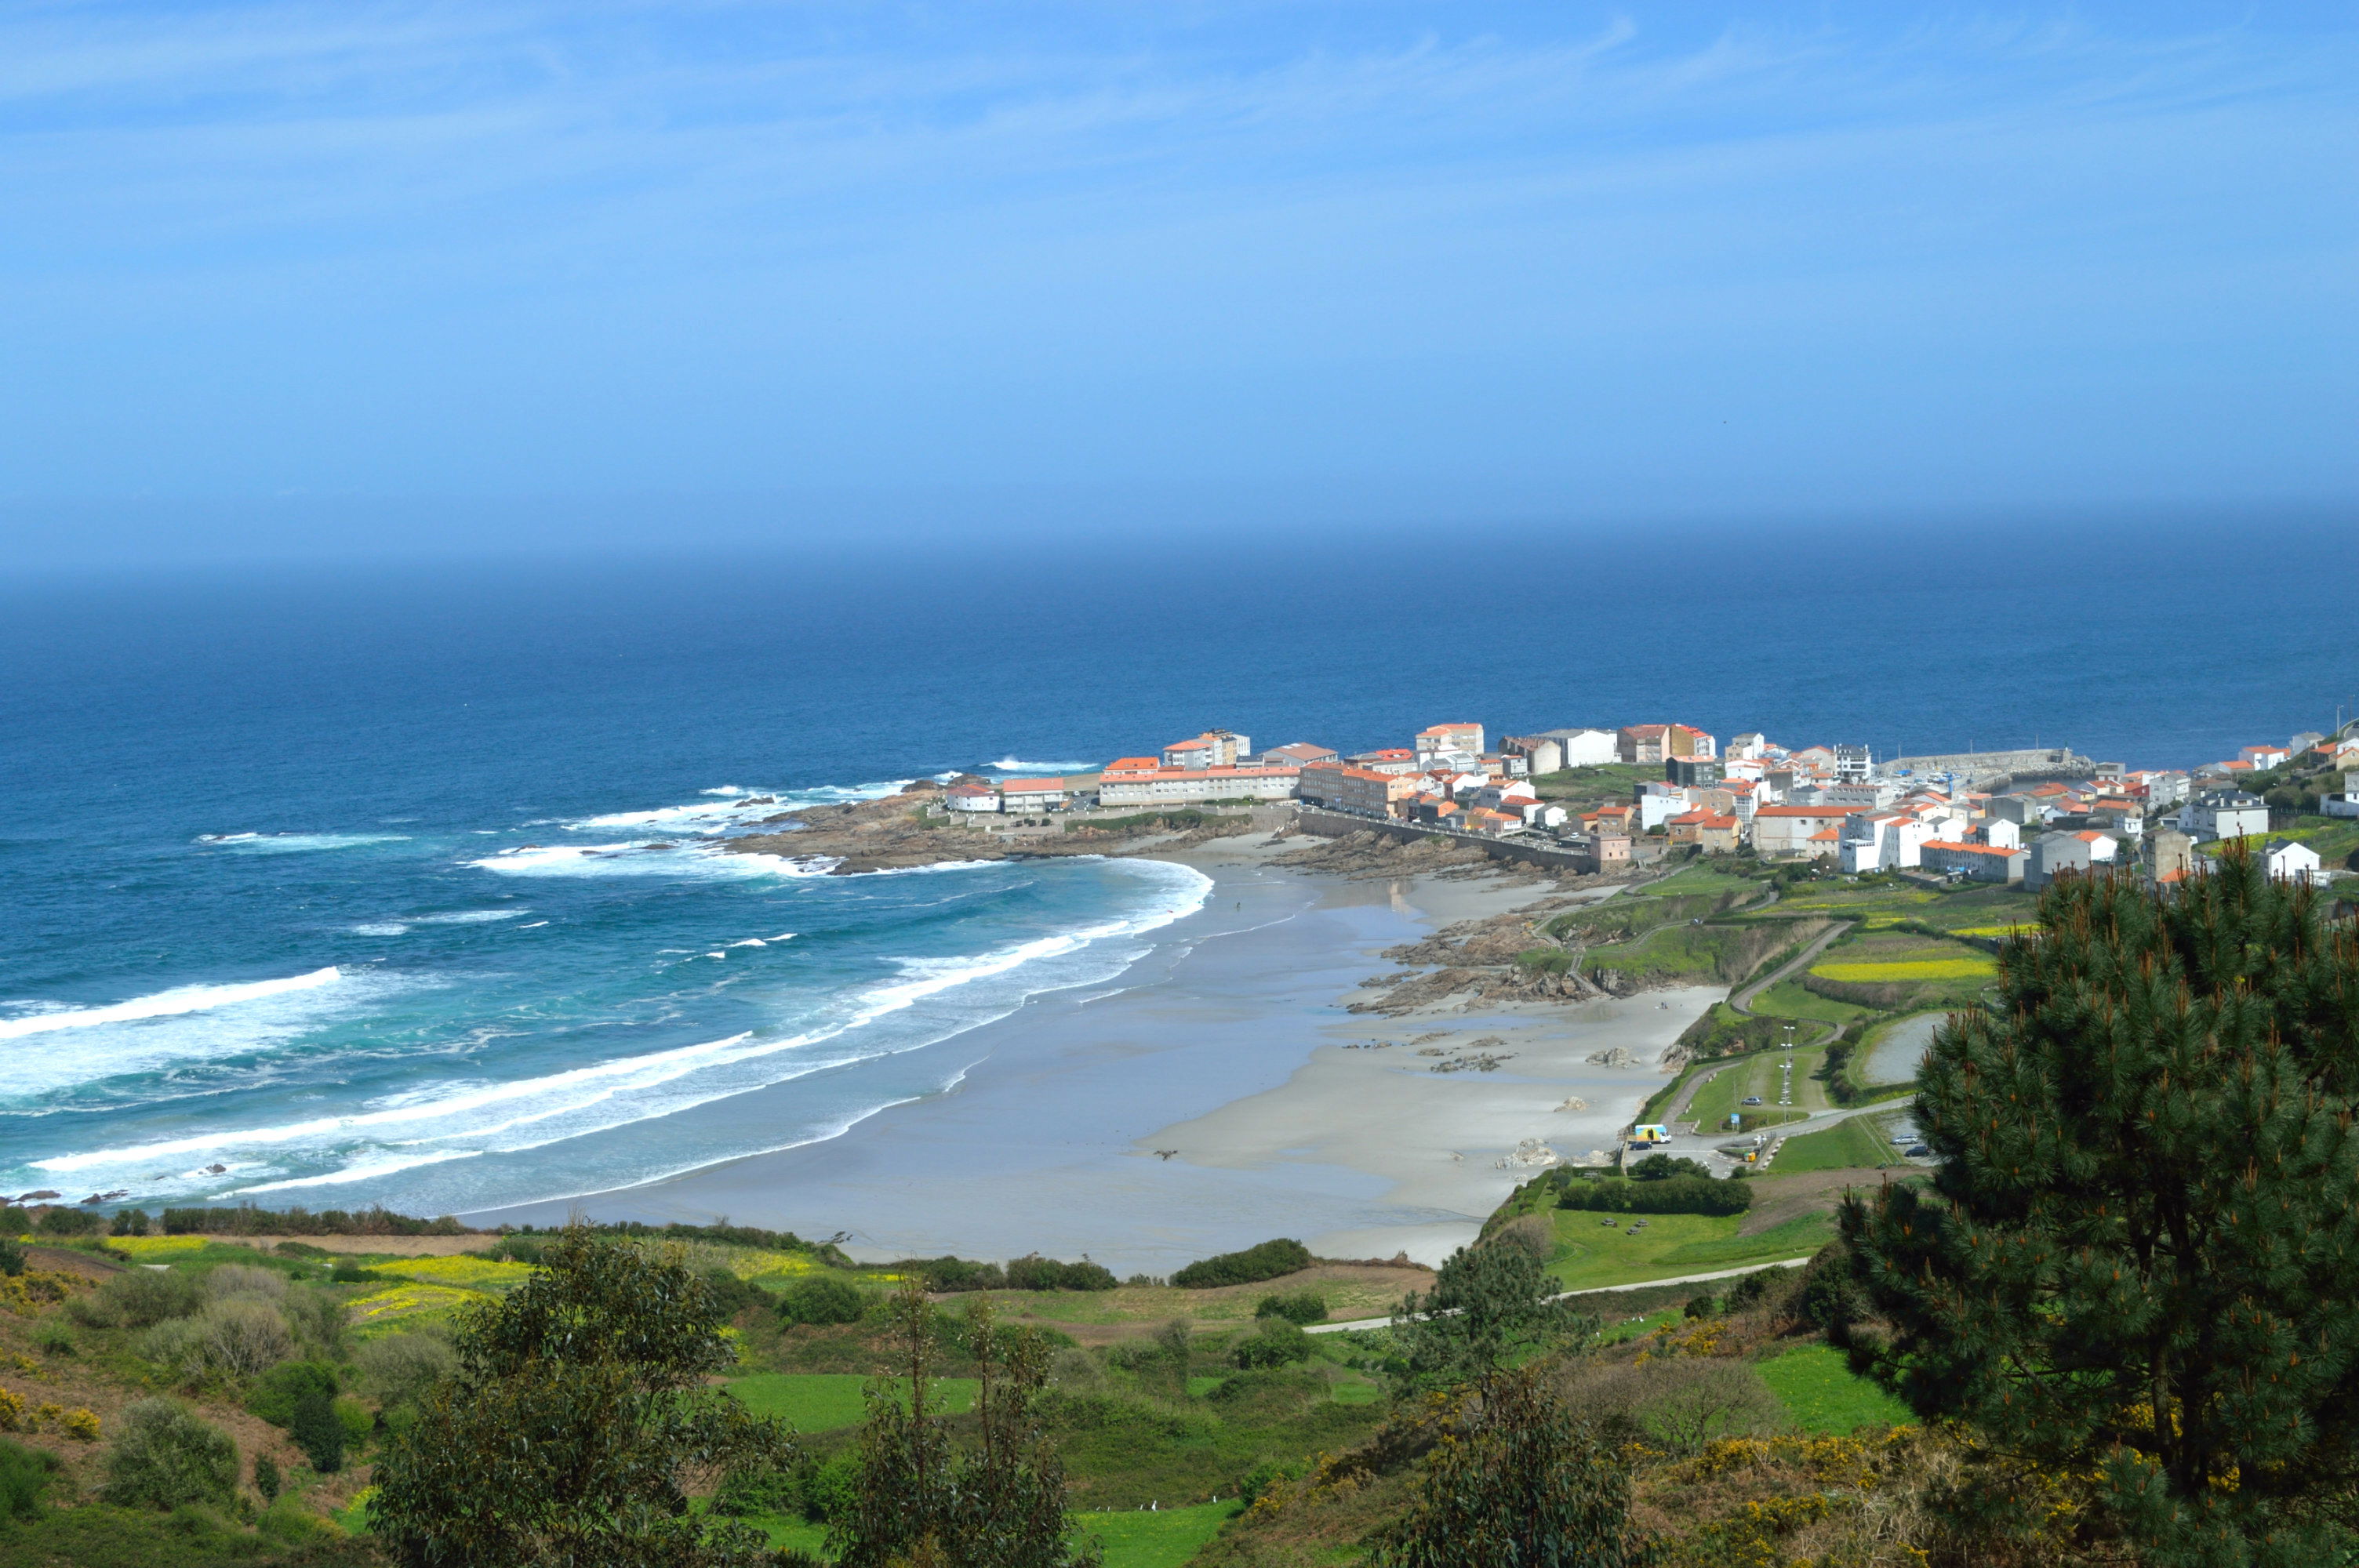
1335, 824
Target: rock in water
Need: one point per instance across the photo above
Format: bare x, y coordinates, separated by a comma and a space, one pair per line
1575, 1103
1618, 1057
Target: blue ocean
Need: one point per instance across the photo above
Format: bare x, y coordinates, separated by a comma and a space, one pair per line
310, 873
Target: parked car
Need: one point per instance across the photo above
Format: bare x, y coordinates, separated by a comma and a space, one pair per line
1751, 1099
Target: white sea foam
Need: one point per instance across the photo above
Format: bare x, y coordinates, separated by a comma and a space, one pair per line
380, 928
732, 807
471, 916
295, 843
642, 859
1017, 765
166, 1004
460, 1119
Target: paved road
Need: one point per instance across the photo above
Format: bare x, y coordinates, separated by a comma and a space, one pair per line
1592, 1290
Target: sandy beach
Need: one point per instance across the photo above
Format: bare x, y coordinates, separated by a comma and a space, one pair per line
1216, 1094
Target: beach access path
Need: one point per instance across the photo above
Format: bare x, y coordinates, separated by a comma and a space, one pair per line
1596, 1290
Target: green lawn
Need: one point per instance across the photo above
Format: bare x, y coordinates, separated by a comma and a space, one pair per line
1862, 1143
1589, 1254
823, 1402
1759, 1075
1825, 1396
1698, 879
1787, 998
1163, 1538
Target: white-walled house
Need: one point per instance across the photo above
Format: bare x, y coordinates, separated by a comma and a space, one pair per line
2287, 861
2224, 813
1881, 841
1998, 833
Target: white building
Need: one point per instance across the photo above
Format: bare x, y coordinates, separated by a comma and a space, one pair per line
2287, 861
2224, 813
1441, 739
1213, 749
1882, 840
1998, 833
1142, 780
1658, 803
2052, 853
1583, 748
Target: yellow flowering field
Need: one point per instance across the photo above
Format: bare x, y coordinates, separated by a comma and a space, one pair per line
156, 1248
397, 1301
464, 1272
1909, 970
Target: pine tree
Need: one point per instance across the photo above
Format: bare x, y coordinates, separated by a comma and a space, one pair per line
2140, 1252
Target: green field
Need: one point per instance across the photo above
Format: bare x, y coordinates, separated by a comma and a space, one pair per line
1861, 1143
823, 1402
1605, 784
1826, 1396
1133, 1538
1589, 1254
1699, 879
1759, 1075
1787, 998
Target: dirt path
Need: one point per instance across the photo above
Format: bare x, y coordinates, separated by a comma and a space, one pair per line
1742, 1000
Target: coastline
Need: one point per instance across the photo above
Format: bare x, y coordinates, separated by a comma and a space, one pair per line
1215, 1093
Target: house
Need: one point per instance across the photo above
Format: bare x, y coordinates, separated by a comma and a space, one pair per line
1541, 753
1582, 748
2224, 813
1213, 749
1749, 747
1881, 840
1998, 833
2263, 757
1301, 753
1780, 830
2171, 856
1976, 862
1362, 790
1393, 760
1642, 744
1033, 795
1658, 803
2344, 805
971, 797
1608, 853
1142, 780
2055, 853
2287, 862
1440, 740
1854, 764
1502, 796
1691, 770
1483, 819
1714, 833
1609, 819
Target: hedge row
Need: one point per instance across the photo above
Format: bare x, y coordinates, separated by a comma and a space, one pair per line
1675, 1194
1033, 1272
245, 1220
1255, 1264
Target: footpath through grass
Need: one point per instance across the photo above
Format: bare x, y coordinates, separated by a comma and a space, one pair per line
1589, 1254
1862, 1143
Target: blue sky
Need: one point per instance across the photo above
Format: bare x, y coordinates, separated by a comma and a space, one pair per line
664, 264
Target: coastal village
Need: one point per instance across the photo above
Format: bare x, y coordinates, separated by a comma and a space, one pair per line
1605, 800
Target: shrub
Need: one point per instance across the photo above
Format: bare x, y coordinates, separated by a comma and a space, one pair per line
1659, 1167
819, 1299
1677, 1402
12, 1412
165, 1457
1703, 1305
54, 1340
1295, 1306
1255, 1264
24, 1474
1751, 1287
732, 1295
1673, 1194
70, 1222
81, 1423
943, 1275
1038, 1273
265, 1477
177, 1345
12, 1257
318, 1433
130, 1222
1280, 1342
231, 1280
400, 1367
142, 1298
278, 1392
243, 1336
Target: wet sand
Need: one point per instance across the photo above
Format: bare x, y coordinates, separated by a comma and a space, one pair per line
1214, 1095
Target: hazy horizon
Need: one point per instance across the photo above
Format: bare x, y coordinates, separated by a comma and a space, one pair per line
297, 279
